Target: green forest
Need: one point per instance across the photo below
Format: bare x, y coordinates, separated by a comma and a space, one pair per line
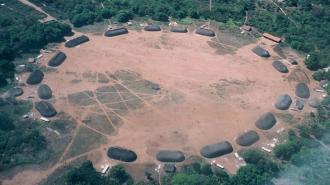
21, 141
21, 32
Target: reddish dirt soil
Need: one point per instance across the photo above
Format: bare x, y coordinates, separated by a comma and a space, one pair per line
208, 97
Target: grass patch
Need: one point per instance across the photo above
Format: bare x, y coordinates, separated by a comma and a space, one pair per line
100, 123
85, 140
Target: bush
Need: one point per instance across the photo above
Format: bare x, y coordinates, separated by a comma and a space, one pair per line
312, 62
6, 123
250, 175
285, 150
124, 16
260, 160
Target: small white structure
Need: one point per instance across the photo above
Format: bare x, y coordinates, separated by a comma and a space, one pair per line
158, 168
280, 130
220, 166
238, 157
266, 149
105, 168
3, 4
44, 119
217, 164
320, 90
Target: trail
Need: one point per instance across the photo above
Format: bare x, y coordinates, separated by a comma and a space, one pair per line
46, 19
321, 143
281, 9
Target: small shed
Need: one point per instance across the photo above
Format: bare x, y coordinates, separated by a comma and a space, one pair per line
272, 37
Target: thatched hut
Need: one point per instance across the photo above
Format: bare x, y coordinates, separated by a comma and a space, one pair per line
116, 32
205, 32
261, 52
35, 77
170, 156
216, 150
15, 91
280, 67
248, 138
152, 27
302, 90
266, 121
121, 154
44, 92
45, 109
179, 29
57, 59
283, 102
76, 41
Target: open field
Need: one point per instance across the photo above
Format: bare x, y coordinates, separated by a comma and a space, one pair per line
148, 91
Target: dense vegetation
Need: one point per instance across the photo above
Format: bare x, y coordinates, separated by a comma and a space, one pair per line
21, 32
84, 173
21, 141
258, 171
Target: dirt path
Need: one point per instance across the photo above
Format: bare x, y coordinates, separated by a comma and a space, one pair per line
46, 19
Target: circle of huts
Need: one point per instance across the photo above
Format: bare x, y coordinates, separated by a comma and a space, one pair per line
44, 92
35, 77
45, 109
265, 121
57, 59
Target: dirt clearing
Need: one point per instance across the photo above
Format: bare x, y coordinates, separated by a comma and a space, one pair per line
152, 91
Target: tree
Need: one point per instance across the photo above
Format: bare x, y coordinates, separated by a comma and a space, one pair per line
118, 172
250, 175
3, 81
85, 174
184, 179
312, 61
285, 150
124, 16
6, 123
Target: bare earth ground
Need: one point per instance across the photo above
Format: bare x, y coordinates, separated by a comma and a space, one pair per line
109, 87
